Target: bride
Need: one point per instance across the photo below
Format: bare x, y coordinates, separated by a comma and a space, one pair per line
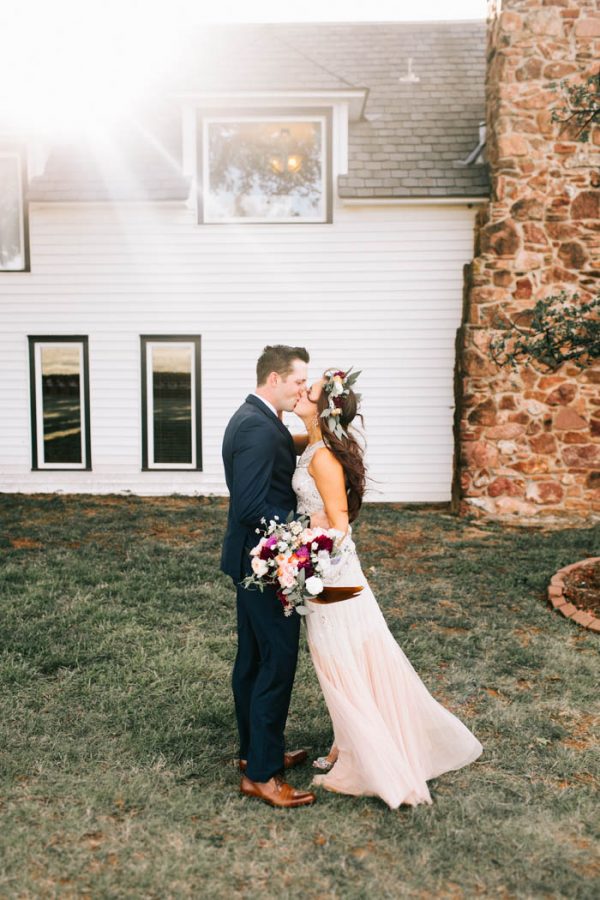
390, 735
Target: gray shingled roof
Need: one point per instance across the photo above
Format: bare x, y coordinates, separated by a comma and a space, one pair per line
413, 135
129, 166
253, 57
409, 143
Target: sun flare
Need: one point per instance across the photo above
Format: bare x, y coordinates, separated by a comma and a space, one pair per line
63, 75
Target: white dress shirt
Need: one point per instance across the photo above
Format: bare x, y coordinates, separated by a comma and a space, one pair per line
266, 402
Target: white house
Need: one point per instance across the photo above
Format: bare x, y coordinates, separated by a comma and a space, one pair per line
303, 184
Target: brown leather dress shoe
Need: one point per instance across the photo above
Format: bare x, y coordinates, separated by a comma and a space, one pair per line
276, 792
291, 759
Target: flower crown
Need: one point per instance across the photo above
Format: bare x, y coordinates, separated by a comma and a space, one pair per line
336, 386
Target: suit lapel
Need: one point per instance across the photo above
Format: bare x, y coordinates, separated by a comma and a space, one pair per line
273, 418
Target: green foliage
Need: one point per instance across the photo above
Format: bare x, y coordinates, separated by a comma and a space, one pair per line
556, 330
117, 730
581, 106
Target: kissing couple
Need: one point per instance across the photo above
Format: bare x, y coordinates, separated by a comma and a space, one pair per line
390, 735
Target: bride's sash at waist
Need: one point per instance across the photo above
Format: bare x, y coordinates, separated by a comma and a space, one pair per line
335, 594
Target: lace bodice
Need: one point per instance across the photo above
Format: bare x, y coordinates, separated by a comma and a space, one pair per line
309, 498
347, 568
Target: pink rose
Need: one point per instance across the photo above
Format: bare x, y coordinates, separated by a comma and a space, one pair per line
286, 579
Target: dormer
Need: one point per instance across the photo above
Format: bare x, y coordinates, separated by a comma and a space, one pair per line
267, 157
265, 136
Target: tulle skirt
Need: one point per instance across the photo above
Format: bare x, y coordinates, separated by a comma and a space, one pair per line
391, 734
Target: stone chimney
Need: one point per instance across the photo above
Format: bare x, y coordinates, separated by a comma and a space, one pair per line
528, 442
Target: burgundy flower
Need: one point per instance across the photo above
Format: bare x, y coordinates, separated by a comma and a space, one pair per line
338, 402
324, 543
340, 373
269, 548
268, 553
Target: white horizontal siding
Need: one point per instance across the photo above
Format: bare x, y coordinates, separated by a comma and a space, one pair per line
379, 289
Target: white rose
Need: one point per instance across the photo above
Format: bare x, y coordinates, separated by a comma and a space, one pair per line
325, 569
314, 585
259, 566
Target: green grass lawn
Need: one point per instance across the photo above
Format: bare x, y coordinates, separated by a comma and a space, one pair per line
118, 733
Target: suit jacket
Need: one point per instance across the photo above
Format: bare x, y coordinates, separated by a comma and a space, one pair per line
259, 459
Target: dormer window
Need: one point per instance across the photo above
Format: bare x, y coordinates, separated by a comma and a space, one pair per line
13, 215
265, 168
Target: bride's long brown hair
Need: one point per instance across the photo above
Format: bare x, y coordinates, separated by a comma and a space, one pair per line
346, 450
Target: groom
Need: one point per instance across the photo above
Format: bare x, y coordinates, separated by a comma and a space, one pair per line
259, 455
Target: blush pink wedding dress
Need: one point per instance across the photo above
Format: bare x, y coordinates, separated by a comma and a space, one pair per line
391, 734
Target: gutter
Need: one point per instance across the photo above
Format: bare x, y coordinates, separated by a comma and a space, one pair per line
413, 201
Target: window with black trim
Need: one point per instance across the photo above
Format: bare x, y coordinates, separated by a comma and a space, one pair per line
265, 167
171, 402
60, 402
14, 237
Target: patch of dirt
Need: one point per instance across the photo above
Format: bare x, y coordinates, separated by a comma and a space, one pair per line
175, 534
582, 588
92, 839
448, 629
590, 867
586, 778
497, 695
582, 733
467, 709
525, 635
448, 604
467, 533
25, 544
374, 541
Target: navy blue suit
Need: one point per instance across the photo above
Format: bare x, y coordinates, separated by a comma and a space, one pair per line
259, 459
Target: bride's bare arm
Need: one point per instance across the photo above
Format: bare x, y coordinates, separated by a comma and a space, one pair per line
328, 474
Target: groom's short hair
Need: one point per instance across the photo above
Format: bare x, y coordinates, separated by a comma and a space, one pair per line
278, 358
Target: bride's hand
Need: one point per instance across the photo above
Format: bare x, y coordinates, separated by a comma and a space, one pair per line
319, 520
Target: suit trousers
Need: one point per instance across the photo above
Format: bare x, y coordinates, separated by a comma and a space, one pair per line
263, 677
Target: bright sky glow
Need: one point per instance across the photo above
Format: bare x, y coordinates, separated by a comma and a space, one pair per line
63, 62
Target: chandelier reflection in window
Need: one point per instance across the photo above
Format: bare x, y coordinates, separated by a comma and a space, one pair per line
285, 158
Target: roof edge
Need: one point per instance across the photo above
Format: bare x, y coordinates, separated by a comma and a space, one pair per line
357, 97
442, 200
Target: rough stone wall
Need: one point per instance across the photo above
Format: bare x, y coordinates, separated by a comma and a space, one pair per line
528, 442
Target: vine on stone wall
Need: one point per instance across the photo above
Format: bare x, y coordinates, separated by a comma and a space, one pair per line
556, 330
581, 106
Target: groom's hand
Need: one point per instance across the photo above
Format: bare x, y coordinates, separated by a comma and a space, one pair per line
319, 520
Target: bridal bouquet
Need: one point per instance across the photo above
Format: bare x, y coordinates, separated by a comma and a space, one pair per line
296, 558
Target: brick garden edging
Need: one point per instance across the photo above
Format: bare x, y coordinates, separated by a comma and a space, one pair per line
559, 601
